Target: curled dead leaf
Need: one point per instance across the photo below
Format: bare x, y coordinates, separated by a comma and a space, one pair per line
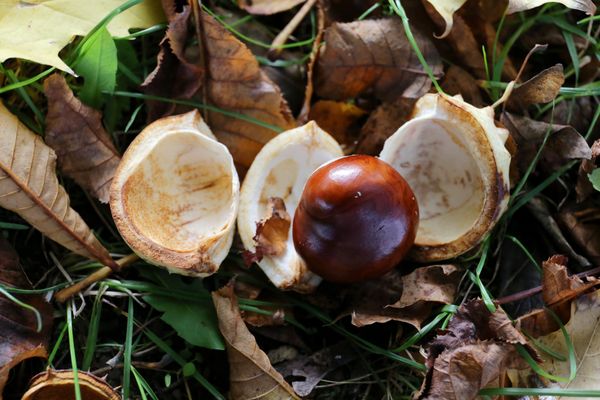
85, 150
272, 231
381, 63
409, 298
251, 374
542, 88
59, 385
29, 187
19, 329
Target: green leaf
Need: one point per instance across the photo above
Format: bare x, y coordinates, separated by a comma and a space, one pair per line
97, 63
194, 321
594, 177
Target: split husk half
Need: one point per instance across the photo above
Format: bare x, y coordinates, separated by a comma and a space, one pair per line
175, 195
452, 155
280, 171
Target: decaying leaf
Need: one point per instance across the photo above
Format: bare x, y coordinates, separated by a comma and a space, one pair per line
267, 7
583, 331
37, 31
382, 123
251, 374
586, 6
474, 352
564, 142
446, 9
84, 149
29, 187
311, 369
558, 290
232, 82
341, 120
20, 338
59, 385
459, 81
381, 62
542, 88
582, 224
272, 232
408, 298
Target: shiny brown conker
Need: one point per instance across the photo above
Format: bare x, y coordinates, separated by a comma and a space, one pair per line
357, 218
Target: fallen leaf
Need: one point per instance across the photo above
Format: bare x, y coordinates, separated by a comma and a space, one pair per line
584, 187
195, 321
19, 328
558, 290
582, 329
382, 61
272, 232
341, 120
459, 81
475, 351
251, 374
60, 385
39, 30
408, 298
84, 149
586, 6
309, 370
582, 224
382, 123
267, 7
29, 187
564, 142
233, 82
542, 88
446, 9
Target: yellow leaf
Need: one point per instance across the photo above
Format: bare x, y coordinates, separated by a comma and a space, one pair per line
36, 30
446, 8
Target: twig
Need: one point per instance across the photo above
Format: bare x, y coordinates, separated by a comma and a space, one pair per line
201, 37
535, 290
98, 275
285, 33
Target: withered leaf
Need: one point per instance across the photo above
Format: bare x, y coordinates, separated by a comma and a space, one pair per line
267, 7
84, 149
373, 57
60, 385
558, 289
408, 298
232, 81
582, 224
272, 232
19, 330
459, 81
582, 329
521, 5
542, 88
564, 142
475, 351
251, 374
341, 120
29, 187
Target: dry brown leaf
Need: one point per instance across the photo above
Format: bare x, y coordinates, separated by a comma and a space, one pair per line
85, 150
382, 123
59, 385
341, 120
29, 187
251, 374
233, 82
582, 224
558, 290
542, 88
381, 61
459, 81
408, 298
586, 6
268, 7
272, 232
582, 329
564, 143
474, 351
18, 329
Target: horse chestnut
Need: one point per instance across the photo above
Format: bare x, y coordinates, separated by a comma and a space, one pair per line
356, 220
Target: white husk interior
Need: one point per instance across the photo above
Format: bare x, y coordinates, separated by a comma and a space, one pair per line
440, 155
281, 170
181, 191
